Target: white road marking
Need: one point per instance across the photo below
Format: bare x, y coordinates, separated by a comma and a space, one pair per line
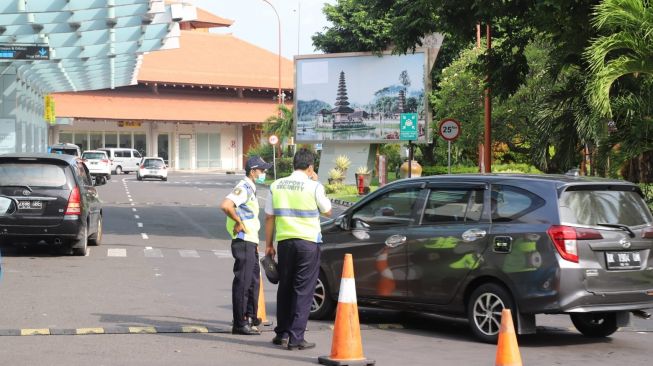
88, 252
131, 200
153, 253
133, 209
140, 224
144, 236
222, 253
116, 252
136, 216
189, 253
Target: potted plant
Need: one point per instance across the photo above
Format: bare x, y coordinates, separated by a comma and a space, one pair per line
366, 174
336, 176
342, 163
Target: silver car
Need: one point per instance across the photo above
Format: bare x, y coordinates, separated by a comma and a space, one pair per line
471, 245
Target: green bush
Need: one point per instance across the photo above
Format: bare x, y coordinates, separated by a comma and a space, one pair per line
496, 168
263, 150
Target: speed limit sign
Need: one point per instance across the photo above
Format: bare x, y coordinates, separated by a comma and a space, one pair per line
273, 139
449, 129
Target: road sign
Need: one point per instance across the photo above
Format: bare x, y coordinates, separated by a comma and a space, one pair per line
408, 126
273, 139
449, 129
20, 52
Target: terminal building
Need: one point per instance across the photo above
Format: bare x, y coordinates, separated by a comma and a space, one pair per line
199, 102
199, 107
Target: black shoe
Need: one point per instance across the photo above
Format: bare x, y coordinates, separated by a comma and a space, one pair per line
255, 322
280, 341
301, 345
244, 330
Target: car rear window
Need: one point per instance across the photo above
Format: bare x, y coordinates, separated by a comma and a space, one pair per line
64, 151
152, 163
603, 206
33, 174
96, 155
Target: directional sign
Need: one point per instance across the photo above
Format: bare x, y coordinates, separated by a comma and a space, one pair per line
449, 129
21, 52
408, 126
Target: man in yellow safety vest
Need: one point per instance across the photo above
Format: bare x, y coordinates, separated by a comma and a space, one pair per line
293, 220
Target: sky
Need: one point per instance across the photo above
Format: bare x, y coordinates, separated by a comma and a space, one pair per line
256, 22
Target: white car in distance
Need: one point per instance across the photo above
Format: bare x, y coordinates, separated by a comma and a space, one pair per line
97, 163
152, 167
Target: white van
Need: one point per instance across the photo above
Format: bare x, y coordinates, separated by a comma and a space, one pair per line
122, 159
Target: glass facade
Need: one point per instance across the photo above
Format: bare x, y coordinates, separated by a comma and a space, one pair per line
96, 139
208, 150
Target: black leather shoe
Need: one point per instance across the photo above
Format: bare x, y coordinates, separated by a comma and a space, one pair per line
301, 345
244, 330
280, 341
255, 322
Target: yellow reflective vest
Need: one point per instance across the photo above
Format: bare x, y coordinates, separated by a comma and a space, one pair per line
297, 215
248, 214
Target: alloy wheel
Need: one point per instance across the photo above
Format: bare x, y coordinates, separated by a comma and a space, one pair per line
487, 313
318, 296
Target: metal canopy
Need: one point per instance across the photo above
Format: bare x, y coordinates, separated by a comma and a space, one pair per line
94, 44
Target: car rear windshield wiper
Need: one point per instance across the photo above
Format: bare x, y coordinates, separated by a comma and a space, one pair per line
19, 185
620, 226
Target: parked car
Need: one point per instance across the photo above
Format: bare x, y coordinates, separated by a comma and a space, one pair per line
122, 159
98, 164
65, 148
471, 245
152, 167
57, 204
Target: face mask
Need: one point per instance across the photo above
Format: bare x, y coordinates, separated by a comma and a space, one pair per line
260, 179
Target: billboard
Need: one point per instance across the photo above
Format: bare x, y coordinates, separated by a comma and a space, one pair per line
359, 97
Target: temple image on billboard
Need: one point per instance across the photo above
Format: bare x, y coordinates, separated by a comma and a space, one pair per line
342, 117
359, 97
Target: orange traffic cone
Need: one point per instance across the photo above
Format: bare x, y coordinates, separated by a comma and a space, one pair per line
386, 283
260, 313
346, 348
507, 348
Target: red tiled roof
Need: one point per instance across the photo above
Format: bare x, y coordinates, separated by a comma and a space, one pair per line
153, 107
216, 59
206, 19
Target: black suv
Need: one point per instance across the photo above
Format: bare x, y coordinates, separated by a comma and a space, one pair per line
57, 203
471, 245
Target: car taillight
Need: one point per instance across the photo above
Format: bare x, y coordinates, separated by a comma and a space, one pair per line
565, 239
647, 233
105, 161
74, 203
142, 167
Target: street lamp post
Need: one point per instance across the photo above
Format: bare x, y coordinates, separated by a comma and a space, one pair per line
279, 74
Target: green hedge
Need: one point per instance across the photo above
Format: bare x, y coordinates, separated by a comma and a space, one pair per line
496, 168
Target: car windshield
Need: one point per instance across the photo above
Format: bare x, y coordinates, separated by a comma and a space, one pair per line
592, 207
153, 164
39, 175
94, 155
64, 151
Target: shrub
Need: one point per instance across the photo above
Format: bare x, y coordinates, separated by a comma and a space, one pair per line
363, 170
342, 163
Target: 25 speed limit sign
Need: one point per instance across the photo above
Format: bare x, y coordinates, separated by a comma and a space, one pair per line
449, 129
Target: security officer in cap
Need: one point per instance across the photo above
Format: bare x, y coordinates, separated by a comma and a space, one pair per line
241, 207
293, 219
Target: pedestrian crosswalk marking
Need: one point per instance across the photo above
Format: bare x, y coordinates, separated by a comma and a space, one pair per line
153, 253
222, 253
144, 236
188, 253
117, 252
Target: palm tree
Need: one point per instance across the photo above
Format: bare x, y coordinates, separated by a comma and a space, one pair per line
281, 124
626, 49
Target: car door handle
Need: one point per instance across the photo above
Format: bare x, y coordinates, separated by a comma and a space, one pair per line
394, 241
474, 234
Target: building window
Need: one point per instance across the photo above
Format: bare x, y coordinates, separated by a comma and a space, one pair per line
110, 139
81, 140
96, 140
65, 137
208, 150
125, 140
140, 143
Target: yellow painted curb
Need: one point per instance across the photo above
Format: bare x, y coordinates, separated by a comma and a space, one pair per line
89, 331
142, 330
194, 329
28, 332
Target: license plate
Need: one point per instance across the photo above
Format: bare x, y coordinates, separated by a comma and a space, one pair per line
623, 260
154, 172
30, 205
94, 163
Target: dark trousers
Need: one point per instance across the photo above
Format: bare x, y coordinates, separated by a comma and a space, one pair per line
299, 262
245, 288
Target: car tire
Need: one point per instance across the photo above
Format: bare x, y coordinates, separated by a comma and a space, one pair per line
138, 177
83, 250
164, 179
96, 239
595, 325
323, 305
484, 311
118, 170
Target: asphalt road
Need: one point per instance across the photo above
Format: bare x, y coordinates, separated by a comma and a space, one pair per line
159, 289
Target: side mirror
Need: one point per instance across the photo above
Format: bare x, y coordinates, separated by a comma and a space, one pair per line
7, 206
342, 222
